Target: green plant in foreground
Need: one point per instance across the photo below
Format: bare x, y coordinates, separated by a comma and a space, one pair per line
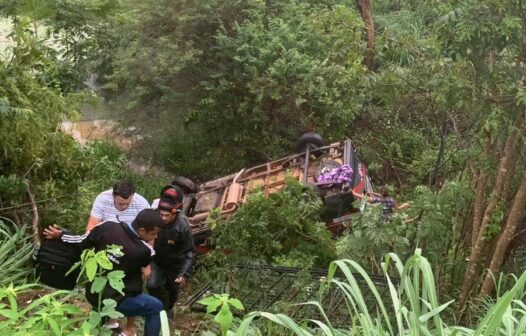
97, 268
15, 251
413, 308
224, 315
46, 315
55, 313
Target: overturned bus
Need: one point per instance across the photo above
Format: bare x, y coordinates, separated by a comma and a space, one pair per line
334, 170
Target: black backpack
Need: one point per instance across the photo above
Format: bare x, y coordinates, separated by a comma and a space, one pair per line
53, 259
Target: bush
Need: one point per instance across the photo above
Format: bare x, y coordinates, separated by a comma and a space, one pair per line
15, 251
281, 228
50, 314
413, 307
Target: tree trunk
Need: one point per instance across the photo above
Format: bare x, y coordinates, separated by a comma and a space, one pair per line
507, 190
475, 258
506, 237
480, 194
34, 224
478, 206
365, 9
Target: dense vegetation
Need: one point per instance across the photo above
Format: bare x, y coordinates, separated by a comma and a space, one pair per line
431, 92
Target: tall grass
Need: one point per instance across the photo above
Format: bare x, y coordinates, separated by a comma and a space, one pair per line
412, 308
15, 251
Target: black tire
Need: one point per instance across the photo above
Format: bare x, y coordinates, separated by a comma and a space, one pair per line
189, 187
307, 139
326, 166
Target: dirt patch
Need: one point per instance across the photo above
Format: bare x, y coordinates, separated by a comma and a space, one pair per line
26, 297
186, 323
89, 130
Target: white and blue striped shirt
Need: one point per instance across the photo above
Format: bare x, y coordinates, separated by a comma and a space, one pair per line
104, 208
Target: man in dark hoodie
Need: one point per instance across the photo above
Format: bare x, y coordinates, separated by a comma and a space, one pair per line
136, 255
174, 258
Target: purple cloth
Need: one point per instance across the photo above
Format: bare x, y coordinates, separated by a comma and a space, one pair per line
337, 175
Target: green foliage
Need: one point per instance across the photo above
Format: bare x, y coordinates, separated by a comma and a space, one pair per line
238, 76
49, 314
434, 222
417, 132
188, 152
12, 188
29, 109
36, 155
471, 31
97, 269
413, 305
80, 36
288, 69
373, 234
56, 313
222, 303
84, 172
283, 227
440, 212
15, 251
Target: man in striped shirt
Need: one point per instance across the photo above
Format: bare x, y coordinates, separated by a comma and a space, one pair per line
120, 204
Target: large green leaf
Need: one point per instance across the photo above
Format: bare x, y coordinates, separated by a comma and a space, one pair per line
98, 285
116, 280
91, 268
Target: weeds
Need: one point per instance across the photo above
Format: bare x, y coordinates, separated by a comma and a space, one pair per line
15, 251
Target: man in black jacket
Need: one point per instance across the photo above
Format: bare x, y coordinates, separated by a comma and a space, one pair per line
136, 254
174, 258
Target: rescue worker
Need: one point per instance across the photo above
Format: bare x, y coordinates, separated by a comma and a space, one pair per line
174, 258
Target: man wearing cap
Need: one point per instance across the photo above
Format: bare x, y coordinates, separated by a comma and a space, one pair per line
136, 254
174, 258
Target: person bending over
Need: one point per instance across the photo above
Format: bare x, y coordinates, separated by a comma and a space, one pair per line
136, 255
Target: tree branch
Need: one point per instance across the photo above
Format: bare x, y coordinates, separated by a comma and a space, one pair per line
34, 224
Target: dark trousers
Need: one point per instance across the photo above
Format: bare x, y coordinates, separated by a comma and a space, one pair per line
161, 285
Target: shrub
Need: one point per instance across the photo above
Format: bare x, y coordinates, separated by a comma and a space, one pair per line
413, 307
15, 251
282, 228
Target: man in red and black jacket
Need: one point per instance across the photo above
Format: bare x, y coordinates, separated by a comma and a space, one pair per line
136, 255
174, 258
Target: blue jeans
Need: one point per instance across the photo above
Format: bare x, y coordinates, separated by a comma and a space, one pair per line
143, 305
